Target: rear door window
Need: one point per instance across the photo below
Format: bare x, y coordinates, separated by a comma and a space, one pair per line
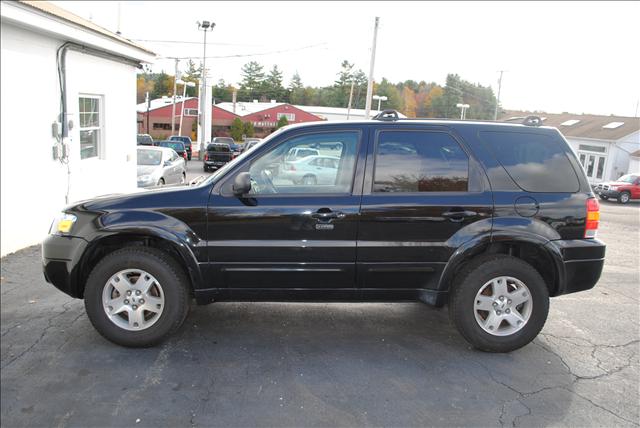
536, 162
419, 161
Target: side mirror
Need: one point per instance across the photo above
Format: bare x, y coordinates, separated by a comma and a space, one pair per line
167, 163
242, 184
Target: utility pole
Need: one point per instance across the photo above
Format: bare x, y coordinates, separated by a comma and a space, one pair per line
463, 110
350, 99
173, 108
495, 113
367, 109
204, 26
148, 101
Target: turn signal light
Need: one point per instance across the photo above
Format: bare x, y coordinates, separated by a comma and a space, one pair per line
593, 218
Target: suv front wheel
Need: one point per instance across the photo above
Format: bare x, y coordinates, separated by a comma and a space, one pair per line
498, 303
136, 296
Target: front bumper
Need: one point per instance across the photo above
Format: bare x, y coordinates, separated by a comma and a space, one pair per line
608, 193
61, 262
579, 262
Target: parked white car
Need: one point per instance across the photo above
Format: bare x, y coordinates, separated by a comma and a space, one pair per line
312, 170
158, 166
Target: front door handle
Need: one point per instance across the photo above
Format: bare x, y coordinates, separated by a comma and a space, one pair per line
458, 216
326, 215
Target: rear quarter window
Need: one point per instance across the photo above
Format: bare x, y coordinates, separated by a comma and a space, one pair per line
536, 162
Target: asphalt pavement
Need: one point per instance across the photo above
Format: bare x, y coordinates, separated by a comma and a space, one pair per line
300, 364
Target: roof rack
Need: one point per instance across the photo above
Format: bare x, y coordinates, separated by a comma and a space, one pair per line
392, 116
387, 115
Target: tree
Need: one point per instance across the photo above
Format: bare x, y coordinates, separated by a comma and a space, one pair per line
237, 129
192, 74
408, 101
248, 129
222, 92
296, 90
252, 79
143, 85
273, 84
282, 122
163, 85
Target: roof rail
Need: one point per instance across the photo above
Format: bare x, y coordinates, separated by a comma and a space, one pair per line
532, 121
387, 115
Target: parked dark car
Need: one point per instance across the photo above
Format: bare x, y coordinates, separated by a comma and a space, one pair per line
235, 148
186, 141
145, 140
489, 218
178, 146
216, 156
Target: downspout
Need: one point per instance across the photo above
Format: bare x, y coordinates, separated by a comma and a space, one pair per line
61, 63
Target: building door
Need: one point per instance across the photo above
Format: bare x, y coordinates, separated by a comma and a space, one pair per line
593, 165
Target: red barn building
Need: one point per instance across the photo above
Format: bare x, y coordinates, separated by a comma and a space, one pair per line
159, 123
263, 116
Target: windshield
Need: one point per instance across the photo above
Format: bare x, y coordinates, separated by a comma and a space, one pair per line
224, 140
178, 147
149, 157
629, 178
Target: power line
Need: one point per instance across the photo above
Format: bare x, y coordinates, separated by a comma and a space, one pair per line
192, 43
246, 55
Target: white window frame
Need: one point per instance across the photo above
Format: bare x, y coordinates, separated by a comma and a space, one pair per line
190, 112
291, 117
100, 128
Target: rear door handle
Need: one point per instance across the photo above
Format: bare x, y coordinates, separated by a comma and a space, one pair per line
458, 216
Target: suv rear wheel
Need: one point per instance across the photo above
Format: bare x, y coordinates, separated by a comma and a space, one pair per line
136, 296
499, 303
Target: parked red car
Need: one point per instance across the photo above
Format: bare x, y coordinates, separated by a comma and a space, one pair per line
623, 189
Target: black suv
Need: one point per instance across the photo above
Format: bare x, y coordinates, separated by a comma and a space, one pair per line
489, 218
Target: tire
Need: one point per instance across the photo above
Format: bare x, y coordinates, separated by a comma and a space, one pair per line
309, 180
624, 197
205, 169
161, 182
475, 277
189, 156
174, 297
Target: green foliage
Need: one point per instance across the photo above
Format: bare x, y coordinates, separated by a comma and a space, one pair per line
252, 82
248, 129
192, 74
282, 122
273, 88
237, 129
163, 85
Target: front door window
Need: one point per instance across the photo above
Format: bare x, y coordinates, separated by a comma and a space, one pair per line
321, 163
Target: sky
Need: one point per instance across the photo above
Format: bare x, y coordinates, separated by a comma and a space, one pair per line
578, 57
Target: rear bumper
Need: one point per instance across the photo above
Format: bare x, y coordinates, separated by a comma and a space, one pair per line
579, 262
60, 262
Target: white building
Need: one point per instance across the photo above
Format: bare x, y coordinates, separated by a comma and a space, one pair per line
48, 52
606, 146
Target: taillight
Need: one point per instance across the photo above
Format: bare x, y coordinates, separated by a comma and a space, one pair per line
184, 155
593, 218
206, 157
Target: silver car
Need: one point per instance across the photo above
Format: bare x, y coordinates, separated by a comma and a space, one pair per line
312, 170
158, 166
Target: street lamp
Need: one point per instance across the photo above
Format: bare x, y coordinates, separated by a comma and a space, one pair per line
184, 94
380, 98
204, 26
463, 108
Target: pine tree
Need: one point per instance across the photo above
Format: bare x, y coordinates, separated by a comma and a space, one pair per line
282, 122
248, 129
237, 129
273, 84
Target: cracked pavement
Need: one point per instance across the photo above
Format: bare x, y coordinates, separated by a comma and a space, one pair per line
298, 364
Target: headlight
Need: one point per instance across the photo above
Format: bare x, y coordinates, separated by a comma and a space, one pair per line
144, 178
62, 224
613, 187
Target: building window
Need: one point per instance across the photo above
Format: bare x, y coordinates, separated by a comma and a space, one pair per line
591, 148
291, 117
191, 112
91, 126
166, 126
